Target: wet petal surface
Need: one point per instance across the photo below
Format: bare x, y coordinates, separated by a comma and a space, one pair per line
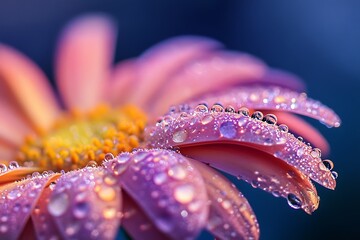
231, 216
202, 127
164, 184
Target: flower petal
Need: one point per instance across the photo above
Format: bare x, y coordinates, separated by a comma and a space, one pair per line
272, 98
14, 173
164, 184
231, 216
162, 60
199, 128
83, 61
86, 204
17, 201
210, 73
137, 224
26, 88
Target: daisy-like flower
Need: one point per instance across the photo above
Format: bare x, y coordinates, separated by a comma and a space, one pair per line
88, 163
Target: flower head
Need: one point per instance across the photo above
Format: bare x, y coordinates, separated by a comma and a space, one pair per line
100, 157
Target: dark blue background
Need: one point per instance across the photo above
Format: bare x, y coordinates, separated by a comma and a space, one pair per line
317, 40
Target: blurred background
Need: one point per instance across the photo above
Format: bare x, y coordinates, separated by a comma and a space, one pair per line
317, 40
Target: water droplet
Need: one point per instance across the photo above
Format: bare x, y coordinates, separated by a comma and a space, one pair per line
160, 178
201, 108
3, 168
13, 165
13, 194
184, 213
284, 128
139, 156
316, 153
270, 119
109, 213
328, 164
300, 152
58, 204
226, 204
109, 180
217, 108
177, 172
179, 136
227, 129
244, 111
184, 193
257, 115
294, 201
91, 164
106, 193
207, 119
108, 157
301, 139
81, 209
334, 174
230, 109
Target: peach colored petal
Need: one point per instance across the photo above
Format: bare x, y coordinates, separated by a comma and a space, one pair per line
161, 61
28, 87
305, 130
121, 83
12, 127
83, 61
211, 73
16, 174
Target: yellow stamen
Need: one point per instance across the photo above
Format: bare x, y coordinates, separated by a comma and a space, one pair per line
78, 138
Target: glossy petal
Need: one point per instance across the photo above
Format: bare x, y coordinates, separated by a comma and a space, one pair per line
157, 64
15, 173
137, 224
24, 86
210, 73
164, 184
85, 204
272, 98
231, 216
83, 61
198, 128
17, 201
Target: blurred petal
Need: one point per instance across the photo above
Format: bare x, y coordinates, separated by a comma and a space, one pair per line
164, 185
83, 61
272, 98
198, 128
231, 216
6, 152
210, 73
284, 79
26, 88
17, 201
86, 204
15, 173
163, 60
137, 224
121, 85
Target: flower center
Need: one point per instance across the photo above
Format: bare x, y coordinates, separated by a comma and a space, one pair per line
79, 139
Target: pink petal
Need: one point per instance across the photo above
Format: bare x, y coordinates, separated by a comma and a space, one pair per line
83, 61
137, 224
17, 202
26, 88
210, 73
85, 204
121, 85
271, 98
231, 216
161, 61
164, 185
7, 152
199, 128
283, 79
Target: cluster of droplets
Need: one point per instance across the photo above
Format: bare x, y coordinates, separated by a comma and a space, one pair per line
11, 166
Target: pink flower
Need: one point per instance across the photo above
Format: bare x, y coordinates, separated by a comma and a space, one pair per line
157, 185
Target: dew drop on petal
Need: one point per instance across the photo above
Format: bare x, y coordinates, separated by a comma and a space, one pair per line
294, 201
334, 174
328, 164
177, 172
58, 204
207, 119
108, 157
230, 109
284, 128
316, 153
81, 209
3, 168
13, 194
217, 108
227, 129
201, 108
106, 193
179, 136
184, 193
160, 178
13, 165
109, 213
270, 119
91, 164
257, 115
244, 111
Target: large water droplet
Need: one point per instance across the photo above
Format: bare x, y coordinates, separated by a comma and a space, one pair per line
179, 136
294, 201
244, 111
106, 193
109, 213
184, 193
201, 108
177, 172
207, 119
230, 109
270, 119
316, 153
227, 129
81, 209
217, 108
3, 168
58, 204
283, 128
160, 178
257, 115
328, 164
13, 165
108, 157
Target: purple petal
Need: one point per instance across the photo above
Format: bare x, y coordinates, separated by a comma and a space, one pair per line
17, 201
199, 128
86, 204
231, 216
165, 185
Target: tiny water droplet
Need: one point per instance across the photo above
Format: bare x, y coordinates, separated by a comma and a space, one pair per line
294, 201
284, 128
91, 164
108, 157
334, 174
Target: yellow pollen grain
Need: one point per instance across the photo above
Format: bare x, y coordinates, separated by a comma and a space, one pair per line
78, 138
